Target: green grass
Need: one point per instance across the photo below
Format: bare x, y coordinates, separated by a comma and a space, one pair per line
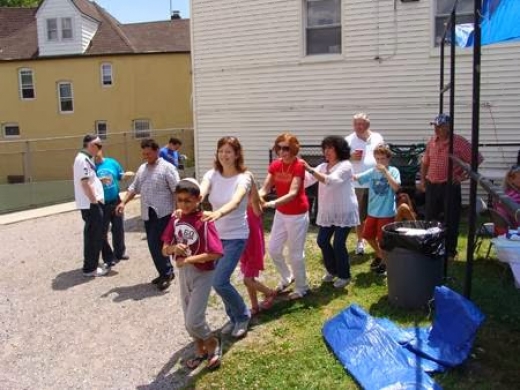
285, 349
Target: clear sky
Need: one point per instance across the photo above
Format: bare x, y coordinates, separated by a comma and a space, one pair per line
133, 11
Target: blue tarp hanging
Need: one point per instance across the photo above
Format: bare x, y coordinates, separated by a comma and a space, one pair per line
500, 23
380, 355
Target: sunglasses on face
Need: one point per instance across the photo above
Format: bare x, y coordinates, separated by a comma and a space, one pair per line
284, 148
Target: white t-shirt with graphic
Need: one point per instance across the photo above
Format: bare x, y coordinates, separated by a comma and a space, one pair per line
84, 168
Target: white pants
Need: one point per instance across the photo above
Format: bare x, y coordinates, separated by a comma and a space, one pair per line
290, 230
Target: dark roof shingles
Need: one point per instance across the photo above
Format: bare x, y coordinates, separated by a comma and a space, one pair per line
18, 34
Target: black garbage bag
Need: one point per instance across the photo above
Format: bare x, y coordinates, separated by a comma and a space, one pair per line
423, 237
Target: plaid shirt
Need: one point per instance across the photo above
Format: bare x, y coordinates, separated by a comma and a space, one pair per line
436, 158
156, 183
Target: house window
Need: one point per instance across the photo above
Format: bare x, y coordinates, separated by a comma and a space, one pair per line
10, 130
26, 81
106, 75
141, 128
322, 27
52, 29
101, 129
66, 28
66, 97
443, 12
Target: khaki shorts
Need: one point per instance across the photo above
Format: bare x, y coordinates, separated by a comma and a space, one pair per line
362, 199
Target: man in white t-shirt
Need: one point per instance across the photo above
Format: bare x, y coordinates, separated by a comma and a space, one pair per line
362, 143
88, 192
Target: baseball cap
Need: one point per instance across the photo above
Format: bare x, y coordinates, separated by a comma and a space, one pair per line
190, 180
441, 119
91, 138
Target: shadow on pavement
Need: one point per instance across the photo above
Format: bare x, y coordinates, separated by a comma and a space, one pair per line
174, 375
68, 279
136, 292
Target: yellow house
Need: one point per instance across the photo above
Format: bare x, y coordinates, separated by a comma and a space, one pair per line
68, 68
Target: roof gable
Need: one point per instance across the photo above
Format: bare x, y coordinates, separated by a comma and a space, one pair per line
18, 33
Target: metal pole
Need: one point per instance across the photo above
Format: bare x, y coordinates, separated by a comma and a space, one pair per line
27, 168
449, 195
474, 147
441, 83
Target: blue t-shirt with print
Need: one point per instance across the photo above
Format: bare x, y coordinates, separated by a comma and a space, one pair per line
172, 156
381, 196
110, 172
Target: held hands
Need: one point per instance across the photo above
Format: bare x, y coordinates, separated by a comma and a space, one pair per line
211, 216
120, 209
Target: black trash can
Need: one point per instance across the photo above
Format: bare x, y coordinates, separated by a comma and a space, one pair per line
415, 253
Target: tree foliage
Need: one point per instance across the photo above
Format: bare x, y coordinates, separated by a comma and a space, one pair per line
19, 3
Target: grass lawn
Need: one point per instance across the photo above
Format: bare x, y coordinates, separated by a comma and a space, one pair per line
285, 349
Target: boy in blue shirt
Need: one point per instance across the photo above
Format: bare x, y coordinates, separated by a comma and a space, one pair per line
170, 152
110, 172
384, 181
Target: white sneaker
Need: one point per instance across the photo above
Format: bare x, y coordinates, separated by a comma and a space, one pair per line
360, 248
99, 271
240, 328
340, 283
227, 328
328, 278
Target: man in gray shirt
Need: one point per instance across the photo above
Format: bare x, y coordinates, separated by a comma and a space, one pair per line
155, 180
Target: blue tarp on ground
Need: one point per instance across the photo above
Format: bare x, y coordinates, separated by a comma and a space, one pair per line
500, 23
381, 355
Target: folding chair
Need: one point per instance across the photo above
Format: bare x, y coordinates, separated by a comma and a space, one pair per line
486, 229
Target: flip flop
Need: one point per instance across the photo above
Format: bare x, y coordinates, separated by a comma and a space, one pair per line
267, 303
215, 359
196, 361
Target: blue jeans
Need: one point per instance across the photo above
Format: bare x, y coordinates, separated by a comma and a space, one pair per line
236, 308
335, 256
113, 222
154, 229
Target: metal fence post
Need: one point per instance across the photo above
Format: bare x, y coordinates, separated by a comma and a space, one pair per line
27, 169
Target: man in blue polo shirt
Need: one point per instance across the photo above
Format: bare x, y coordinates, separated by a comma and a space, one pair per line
110, 172
170, 152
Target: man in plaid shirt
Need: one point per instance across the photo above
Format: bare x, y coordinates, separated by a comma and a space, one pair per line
434, 178
155, 180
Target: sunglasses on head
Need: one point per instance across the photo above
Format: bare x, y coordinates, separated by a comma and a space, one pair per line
515, 168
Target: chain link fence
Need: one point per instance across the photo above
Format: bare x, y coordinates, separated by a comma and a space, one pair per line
34, 172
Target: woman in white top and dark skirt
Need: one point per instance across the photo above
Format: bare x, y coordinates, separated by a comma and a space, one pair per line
337, 207
227, 187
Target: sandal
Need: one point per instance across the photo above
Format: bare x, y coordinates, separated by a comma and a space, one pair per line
297, 295
282, 286
215, 359
267, 303
255, 310
193, 363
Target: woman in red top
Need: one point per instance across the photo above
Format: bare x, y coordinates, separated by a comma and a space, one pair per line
291, 219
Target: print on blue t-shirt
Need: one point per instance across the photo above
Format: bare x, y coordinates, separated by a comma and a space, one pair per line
110, 172
381, 196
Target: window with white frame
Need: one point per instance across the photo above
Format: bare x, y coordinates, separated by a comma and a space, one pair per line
141, 128
322, 26
443, 10
66, 28
106, 75
10, 130
52, 29
26, 83
101, 129
66, 97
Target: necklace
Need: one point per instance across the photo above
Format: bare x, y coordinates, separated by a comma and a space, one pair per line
288, 171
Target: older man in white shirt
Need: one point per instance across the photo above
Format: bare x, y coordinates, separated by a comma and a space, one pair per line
88, 192
362, 143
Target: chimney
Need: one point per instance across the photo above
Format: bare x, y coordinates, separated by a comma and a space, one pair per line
176, 15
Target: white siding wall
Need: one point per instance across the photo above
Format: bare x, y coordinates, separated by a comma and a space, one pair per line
58, 9
87, 31
252, 80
